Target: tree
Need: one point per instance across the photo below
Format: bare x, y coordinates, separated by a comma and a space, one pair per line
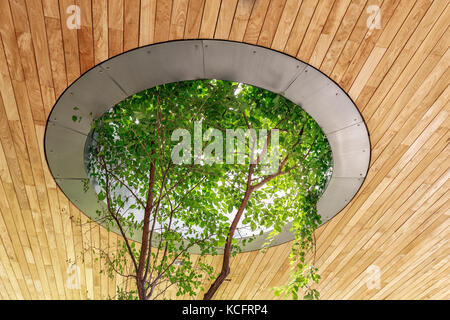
159, 172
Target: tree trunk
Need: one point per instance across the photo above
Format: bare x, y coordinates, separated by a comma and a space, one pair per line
227, 251
145, 235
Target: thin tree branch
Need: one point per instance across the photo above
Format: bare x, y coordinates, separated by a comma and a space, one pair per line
109, 205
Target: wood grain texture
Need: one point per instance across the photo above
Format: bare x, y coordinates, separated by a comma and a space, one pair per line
398, 76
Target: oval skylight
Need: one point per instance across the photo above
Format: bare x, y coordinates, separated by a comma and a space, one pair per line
224, 127
122, 76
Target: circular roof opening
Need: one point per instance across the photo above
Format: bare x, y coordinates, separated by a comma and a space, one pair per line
67, 138
205, 135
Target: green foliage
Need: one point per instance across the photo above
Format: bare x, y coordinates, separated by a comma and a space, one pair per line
303, 274
122, 294
191, 201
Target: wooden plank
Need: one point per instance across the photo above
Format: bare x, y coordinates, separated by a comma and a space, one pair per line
349, 224
100, 30
209, 18
428, 155
239, 292
54, 208
85, 36
359, 30
51, 9
23, 255
414, 51
40, 44
87, 256
194, 18
131, 14
37, 191
354, 11
240, 21
387, 215
147, 22
416, 90
271, 22
405, 253
404, 19
9, 278
225, 19
10, 43
16, 141
7, 93
315, 27
256, 21
261, 286
178, 19
5, 287
162, 20
425, 280
328, 33
382, 147
75, 217
115, 26
398, 272
300, 26
285, 25
41, 51
70, 42
28, 61
11, 241
366, 71
57, 59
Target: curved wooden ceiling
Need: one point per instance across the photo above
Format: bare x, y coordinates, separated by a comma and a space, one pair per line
398, 76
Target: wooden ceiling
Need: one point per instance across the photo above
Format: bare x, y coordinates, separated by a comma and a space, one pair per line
397, 75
